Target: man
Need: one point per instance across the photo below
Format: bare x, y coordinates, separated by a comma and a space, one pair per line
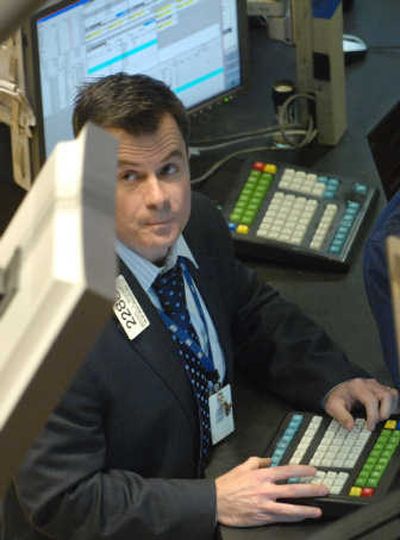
123, 454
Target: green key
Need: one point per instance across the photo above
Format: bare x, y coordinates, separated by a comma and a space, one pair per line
243, 199
239, 209
247, 190
235, 217
391, 445
377, 473
367, 468
265, 180
372, 482
239, 206
252, 181
253, 206
246, 221
373, 455
361, 480
387, 454
260, 192
258, 199
381, 464
247, 218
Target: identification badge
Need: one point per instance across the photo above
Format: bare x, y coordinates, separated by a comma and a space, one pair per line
221, 414
128, 311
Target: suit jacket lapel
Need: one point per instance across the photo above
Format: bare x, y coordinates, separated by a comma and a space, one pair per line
155, 347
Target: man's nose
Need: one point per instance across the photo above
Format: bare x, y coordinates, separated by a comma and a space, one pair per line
155, 194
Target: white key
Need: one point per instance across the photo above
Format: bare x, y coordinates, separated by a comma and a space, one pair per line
335, 489
315, 245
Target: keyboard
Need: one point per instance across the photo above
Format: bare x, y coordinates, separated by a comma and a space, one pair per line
358, 466
294, 215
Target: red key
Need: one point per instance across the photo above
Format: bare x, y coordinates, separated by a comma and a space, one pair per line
367, 492
258, 165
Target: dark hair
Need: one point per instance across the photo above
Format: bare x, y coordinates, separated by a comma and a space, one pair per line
134, 103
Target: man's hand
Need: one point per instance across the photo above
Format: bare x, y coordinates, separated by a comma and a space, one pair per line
247, 495
379, 401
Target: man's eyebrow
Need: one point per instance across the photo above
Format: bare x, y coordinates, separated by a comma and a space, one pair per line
174, 154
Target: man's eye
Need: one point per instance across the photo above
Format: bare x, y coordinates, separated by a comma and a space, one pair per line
169, 169
128, 176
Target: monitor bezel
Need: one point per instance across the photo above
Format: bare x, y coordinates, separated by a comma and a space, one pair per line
32, 73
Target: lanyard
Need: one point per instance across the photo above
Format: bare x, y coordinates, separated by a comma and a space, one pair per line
183, 335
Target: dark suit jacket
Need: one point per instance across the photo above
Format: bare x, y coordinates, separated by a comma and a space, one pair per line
119, 457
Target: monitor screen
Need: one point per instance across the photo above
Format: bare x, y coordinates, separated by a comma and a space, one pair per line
196, 46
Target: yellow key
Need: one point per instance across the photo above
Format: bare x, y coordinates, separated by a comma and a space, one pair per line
270, 168
390, 424
355, 492
242, 229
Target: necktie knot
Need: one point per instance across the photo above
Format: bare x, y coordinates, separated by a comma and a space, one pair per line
170, 290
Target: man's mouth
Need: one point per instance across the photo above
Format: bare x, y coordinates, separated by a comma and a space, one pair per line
159, 222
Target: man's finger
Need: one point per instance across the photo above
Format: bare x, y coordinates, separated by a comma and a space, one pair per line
293, 491
284, 512
337, 409
256, 462
371, 405
284, 472
389, 403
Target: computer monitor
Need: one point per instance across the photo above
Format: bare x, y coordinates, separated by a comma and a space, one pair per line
198, 47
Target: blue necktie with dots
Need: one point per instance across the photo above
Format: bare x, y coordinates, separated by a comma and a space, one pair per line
170, 290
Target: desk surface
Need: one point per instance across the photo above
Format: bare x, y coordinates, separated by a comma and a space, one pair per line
337, 302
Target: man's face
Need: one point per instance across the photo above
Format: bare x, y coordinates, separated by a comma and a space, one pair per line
153, 189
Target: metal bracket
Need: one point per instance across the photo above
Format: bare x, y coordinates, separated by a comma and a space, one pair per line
15, 109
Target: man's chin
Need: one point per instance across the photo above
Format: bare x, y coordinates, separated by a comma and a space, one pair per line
161, 245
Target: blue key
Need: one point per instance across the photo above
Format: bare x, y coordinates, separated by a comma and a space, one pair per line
360, 188
333, 182
353, 204
277, 455
297, 419
290, 431
293, 480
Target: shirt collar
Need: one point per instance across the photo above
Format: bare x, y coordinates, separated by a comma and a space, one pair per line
144, 270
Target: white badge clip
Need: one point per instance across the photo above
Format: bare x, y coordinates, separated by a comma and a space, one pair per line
221, 414
128, 311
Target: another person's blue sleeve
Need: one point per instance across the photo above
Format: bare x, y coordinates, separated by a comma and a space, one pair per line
377, 285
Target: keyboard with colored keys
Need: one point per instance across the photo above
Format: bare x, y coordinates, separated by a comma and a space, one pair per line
289, 214
358, 466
